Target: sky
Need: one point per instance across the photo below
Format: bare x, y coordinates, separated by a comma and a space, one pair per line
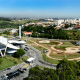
40, 8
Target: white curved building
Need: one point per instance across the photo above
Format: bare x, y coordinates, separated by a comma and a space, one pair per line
7, 45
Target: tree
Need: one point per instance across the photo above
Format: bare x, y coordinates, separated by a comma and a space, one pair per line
15, 34
67, 26
32, 72
6, 32
49, 78
19, 53
66, 68
37, 78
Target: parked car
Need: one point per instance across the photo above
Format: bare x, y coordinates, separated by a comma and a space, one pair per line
45, 51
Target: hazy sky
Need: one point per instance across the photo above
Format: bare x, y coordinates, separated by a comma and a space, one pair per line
40, 8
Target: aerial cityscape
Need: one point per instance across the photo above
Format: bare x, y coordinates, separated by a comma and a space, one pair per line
39, 40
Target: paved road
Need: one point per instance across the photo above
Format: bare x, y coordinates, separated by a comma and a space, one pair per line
30, 52
39, 61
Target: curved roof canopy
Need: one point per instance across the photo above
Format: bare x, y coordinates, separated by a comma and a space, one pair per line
5, 42
11, 46
11, 51
15, 41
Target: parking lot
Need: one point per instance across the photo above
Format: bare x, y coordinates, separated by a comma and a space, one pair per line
14, 74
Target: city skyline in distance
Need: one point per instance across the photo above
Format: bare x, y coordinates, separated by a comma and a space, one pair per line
40, 8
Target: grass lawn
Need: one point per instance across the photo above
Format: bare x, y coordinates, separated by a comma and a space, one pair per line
24, 21
39, 48
60, 47
6, 63
35, 40
73, 56
69, 56
7, 36
9, 61
51, 43
53, 61
65, 45
29, 42
57, 56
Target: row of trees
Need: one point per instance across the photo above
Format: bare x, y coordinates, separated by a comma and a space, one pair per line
46, 32
4, 24
5, 19
6, 32
66, 70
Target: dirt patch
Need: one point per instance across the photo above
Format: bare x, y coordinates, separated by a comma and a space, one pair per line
72, 50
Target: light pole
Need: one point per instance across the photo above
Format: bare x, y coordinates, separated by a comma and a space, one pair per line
69, 37
58, 37
30, 35
42, 50
52, 37
65, 55
37, 36
46, 57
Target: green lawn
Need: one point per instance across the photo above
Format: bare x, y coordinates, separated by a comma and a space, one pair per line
29, 42
51, 43
9, 61
39, 48
73, 56
60, 47
53, 61
24, 21
35, 40
6, 63
65, 45
70, 56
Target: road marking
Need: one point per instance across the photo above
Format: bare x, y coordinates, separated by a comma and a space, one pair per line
25, 65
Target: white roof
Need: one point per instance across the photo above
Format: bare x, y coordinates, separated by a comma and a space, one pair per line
3, 40
11, 46
23, 42
11, 51
30, 59
15, 41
